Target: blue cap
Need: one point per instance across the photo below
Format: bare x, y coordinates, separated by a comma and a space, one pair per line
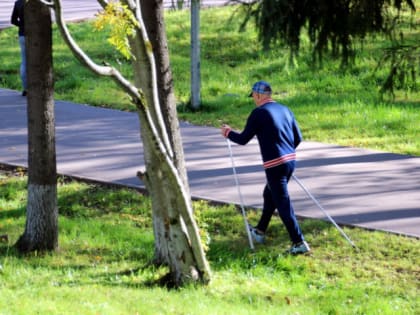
261, 87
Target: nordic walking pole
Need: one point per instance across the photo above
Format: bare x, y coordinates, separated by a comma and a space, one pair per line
323, 210
251, 243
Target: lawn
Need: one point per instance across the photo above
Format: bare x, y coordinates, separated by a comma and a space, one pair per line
106, 246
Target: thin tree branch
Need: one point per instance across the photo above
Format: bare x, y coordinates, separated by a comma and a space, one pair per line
49, 4
133, 91
132, 4
103, 3
135, 7
84, 59
186, 211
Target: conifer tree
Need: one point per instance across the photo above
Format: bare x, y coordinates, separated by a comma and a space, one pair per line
333, 27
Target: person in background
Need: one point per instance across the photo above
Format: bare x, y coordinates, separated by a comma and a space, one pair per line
278, 136
18, 20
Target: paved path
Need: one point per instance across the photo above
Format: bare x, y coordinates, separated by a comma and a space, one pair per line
370, 189
74, 10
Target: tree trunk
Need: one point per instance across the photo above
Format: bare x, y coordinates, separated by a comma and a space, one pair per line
154, 22
41, 230
177, 241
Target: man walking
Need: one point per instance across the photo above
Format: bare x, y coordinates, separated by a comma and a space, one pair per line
18, 20
278, 135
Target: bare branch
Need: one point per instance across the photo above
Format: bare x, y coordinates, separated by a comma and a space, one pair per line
49, 4
135, 7
88, 62
127, 86
132, 4
103, 3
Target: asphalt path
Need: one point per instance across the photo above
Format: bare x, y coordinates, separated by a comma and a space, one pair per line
364, 188
74, 10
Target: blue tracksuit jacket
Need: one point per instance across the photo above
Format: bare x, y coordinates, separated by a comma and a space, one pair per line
277, 132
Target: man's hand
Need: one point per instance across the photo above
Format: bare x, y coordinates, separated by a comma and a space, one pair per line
225, 129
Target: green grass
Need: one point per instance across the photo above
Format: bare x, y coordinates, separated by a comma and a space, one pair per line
106, 245
331, 105
106, 239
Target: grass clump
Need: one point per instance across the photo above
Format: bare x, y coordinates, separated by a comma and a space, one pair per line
106, 246
332, 105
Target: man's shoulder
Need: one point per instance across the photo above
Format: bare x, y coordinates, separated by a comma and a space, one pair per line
274, 106
277, 110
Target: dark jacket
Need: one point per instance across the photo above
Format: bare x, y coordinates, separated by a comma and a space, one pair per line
277, 132
18, 16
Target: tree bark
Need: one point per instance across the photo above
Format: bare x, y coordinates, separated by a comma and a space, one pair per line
155, 25
41, 230
154, 21
177, 240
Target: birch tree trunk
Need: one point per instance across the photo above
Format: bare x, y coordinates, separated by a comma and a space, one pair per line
176, 235
152, 13
41, 230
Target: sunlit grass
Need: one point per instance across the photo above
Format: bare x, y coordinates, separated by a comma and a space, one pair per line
106, 246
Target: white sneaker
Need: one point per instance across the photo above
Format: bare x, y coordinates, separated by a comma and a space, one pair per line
299, 248
258, 236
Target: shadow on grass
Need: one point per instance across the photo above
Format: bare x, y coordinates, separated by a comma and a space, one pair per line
227, 252
12, 214
89, 201
228, 249
230, 253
